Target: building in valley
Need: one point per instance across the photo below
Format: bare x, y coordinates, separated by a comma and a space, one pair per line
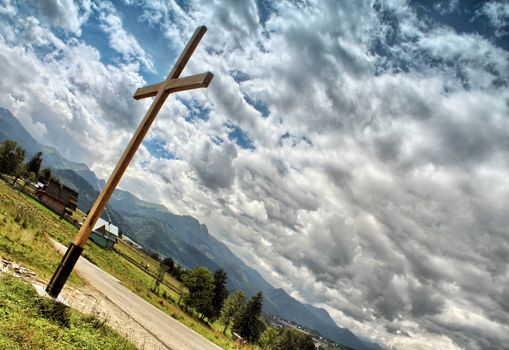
59, 198
104, 234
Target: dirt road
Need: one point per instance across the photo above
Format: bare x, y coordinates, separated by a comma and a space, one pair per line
136, 318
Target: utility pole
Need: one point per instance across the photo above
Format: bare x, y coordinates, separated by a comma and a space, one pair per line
161, 91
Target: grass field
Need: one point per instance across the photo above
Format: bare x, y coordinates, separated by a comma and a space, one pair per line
28, 321
146, 260
24, 226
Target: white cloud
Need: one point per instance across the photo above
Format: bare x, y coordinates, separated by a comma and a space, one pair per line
66, 14
120, 39
7, 8
213, 164
378, 185
69, 91
498, 15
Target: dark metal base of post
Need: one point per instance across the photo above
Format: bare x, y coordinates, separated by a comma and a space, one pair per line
63, 270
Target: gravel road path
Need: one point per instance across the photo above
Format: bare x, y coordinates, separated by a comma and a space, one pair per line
145, 325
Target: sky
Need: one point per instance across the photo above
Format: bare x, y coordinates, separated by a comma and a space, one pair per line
356, 153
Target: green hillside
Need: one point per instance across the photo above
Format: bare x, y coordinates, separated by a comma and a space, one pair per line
26, 225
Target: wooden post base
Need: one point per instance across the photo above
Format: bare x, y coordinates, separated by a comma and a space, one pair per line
63, 270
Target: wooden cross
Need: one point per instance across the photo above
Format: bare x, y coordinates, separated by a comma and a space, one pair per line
161, 91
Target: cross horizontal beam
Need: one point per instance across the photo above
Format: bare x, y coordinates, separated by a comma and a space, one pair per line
175, 85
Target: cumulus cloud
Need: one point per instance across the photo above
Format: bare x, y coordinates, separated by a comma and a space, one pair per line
498, 15
66, 14
378, 182
68, 90
120, 39
213, 164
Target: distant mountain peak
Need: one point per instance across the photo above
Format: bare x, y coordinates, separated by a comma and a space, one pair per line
4, 112
11, 128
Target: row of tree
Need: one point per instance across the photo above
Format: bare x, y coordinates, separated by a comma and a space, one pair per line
12, 162
208, 296
166, 265
286, 339
206, 292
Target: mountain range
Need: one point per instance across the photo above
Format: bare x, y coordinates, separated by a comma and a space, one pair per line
181, 237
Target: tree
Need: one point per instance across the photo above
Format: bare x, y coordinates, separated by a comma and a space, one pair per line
164, 266
286, 339
200, 285
19, 170
248, 323
31, 176
232, 306
219, 295
298, 340
34, 164
154, 255
11, 158
269, 339
45, 175
169, 263
178, 272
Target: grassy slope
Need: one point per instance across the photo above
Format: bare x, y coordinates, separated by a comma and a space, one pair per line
23, 225
146, 260
28, 321
23, 229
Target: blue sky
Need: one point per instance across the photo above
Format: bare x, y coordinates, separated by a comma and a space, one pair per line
353, 152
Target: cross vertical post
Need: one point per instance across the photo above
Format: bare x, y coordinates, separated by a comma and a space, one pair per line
161, 92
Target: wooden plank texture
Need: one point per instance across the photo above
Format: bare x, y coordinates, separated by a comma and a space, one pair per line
176, 85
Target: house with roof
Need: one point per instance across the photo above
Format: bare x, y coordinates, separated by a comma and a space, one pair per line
59, 198
104, 234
